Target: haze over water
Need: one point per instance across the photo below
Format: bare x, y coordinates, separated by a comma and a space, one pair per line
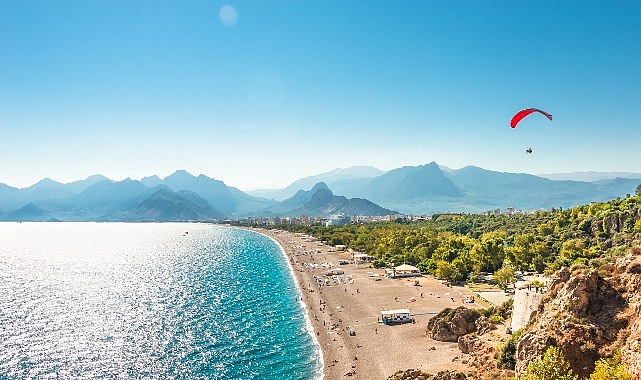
117, 300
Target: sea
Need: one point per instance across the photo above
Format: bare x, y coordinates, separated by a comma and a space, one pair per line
150, 301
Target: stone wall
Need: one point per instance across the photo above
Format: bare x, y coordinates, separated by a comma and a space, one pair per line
525, 303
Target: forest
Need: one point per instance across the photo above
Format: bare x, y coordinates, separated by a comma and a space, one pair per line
458, 247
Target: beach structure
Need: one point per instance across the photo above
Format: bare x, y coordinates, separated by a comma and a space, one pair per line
335, 271
393, 317
406, 271
362, 258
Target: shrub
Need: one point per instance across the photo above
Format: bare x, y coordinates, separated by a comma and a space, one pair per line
610, 369
496, 319
506, 359
551, 366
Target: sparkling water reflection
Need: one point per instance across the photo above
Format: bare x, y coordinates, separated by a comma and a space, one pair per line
117, 300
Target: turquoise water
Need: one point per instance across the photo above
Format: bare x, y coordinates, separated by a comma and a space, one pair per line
118, 300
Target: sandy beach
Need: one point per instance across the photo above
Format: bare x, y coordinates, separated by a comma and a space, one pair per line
353, 301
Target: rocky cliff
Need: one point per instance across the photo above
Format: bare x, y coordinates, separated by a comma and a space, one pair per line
589, 314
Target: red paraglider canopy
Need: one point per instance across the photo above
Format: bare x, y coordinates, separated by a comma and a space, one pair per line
523, 113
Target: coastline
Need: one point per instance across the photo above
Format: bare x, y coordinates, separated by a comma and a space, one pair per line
319, 373
344, 316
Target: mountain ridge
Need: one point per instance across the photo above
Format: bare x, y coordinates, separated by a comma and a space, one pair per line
421, 189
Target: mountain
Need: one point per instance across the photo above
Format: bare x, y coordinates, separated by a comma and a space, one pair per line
109, 196
320, 201
214, 191
78, 187
343, 181
29, 213
420, 189
590, 176
247, 205
47, 189
151, 181
227, 200
294, 202
432, 188
167, 205
529, 192
411, 182
179, 196
10, 198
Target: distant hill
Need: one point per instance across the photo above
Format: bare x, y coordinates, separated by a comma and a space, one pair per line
422, 189
409, 183
178, 197
341, 180
127, 200
432, 188
321, 202
590, 176
167, 205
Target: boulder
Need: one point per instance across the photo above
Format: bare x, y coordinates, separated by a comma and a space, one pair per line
450, 324
468, 343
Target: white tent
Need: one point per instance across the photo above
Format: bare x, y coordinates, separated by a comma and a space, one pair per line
406, 268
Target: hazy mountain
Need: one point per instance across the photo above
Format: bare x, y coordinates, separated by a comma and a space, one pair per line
343, 181
151, 181
618, 187
10, 198
28, 213
294, 202
490, 189
590, 176
214, 191
108, 195
227, 200
78, 187
411, 190
180, 196
47, 189
323, 203
411, 182
167, 205
247, 205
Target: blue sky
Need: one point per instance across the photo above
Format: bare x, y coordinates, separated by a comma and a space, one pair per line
260, 93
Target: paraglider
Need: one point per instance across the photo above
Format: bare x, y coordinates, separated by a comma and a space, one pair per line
523, 113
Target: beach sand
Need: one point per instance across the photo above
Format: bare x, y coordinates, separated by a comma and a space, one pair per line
376, 351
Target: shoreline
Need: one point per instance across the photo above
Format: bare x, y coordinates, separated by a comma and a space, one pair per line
319, 372
344, 312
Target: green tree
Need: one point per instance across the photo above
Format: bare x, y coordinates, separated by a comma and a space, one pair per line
505, 276
638, 191
447, 271
522, 250
610, 369
538, 285
552, 366
487, 254
572, 249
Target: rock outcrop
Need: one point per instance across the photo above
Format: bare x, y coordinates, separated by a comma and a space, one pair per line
589, 315
450, 324
469, 343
